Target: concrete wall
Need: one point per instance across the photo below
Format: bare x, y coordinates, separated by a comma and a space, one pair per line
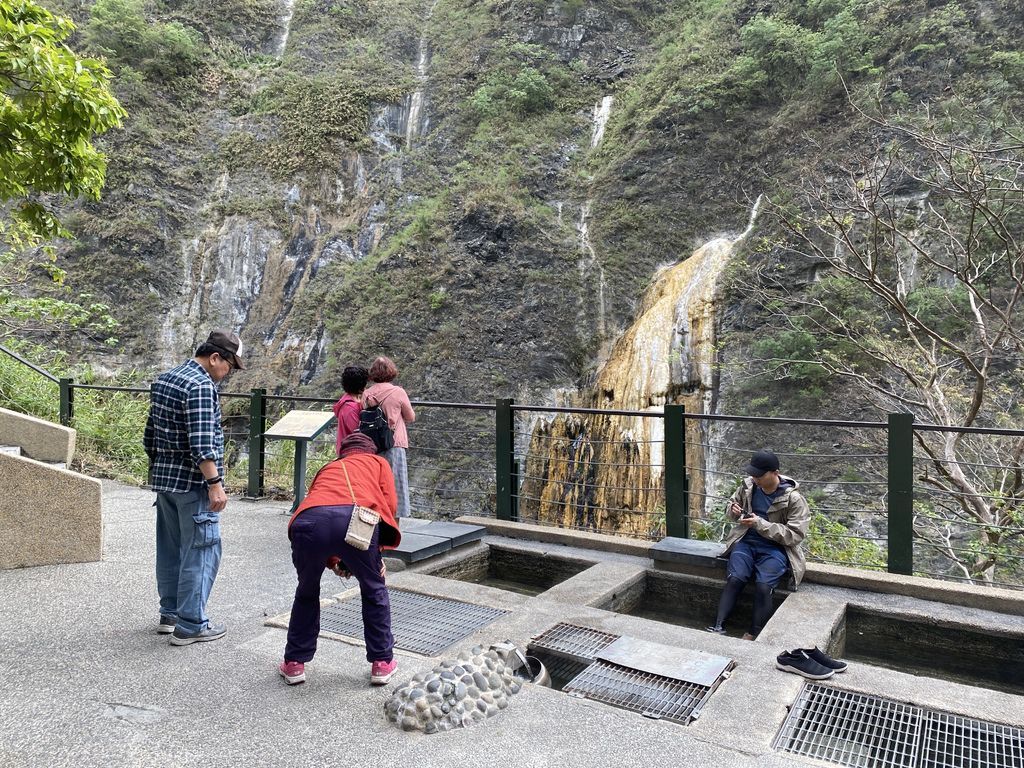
1009, 601
39, 440
47, 515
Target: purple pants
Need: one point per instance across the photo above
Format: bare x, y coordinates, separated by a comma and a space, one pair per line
317, 534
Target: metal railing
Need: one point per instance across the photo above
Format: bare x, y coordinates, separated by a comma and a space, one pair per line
651, 473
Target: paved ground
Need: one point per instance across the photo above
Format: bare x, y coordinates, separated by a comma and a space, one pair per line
87, 682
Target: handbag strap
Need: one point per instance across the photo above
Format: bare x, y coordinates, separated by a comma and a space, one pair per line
349, 482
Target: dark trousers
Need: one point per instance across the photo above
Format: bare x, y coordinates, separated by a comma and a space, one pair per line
318, 534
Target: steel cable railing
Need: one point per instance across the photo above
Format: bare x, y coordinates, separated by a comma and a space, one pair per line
634, 473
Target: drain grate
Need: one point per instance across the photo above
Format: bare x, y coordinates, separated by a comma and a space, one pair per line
420, 623
561, 669
580, 644
951, 741
865, 731
651, 695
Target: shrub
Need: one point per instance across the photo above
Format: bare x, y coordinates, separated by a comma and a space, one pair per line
120, 30
528, 90
793, 352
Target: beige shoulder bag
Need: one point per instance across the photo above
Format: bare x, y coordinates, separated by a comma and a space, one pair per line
363, 522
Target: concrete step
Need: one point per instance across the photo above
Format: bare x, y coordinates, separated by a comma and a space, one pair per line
15, 450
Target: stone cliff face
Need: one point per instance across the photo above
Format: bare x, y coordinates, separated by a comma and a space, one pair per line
390, 226
486, 189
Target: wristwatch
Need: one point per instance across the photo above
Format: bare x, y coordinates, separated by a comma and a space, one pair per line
212, 481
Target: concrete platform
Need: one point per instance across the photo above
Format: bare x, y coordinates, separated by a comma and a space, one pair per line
425, 539
87, 682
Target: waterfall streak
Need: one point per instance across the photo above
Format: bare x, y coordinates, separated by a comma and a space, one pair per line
589, 263
602, 111
415, 123
285, 21
751, 221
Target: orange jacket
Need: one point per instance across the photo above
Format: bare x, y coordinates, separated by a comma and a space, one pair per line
373, 486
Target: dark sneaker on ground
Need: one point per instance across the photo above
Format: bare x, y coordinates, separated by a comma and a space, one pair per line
210, 632
718, 629
166, 625
799, 663
293, 672
825, 660
382, 671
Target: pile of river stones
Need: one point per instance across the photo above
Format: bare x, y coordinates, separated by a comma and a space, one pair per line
456, 693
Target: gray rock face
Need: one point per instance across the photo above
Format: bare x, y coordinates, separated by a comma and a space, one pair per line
456, 693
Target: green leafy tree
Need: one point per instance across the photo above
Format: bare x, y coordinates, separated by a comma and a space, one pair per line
53, 105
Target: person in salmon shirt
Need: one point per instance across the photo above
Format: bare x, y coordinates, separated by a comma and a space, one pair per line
396, 406
346, 410
317, 533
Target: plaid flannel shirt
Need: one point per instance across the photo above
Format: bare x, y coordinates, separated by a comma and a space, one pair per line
183, 428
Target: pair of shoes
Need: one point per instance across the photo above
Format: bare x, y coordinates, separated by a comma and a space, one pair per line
166, 625
382, 671
824, 659
718, 629
210, 632
293, 672
809, 662
799, 663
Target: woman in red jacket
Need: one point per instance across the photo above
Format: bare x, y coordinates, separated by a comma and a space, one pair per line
317, 532
346, 410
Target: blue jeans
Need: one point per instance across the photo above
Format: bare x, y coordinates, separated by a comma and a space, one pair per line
754, 555
188, 549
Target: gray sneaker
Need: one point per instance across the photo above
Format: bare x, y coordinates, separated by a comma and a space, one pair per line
210, 632
166, 625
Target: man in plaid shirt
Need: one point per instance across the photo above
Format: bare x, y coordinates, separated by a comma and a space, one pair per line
185, 444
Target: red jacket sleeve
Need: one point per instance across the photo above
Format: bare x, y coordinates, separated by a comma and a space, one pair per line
349, 416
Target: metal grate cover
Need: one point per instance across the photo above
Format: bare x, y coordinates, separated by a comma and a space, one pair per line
561, 668
420, 623
573, 642
952, 741
865, 731
651, 695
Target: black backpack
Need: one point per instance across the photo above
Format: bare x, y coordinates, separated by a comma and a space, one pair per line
374, 424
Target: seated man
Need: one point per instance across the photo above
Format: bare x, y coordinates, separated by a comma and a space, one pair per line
772, 521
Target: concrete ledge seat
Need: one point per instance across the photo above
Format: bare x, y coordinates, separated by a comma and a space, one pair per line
423, 541
672, 549
38, 439
692, 556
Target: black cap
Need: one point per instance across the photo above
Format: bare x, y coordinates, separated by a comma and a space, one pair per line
229, 345
761, 462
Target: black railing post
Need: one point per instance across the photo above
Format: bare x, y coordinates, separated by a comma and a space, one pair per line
515, 489
901, 493
67, 401
257, 443
504, 457
677, 517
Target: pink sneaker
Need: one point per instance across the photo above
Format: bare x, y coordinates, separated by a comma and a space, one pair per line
293, 672
382, 671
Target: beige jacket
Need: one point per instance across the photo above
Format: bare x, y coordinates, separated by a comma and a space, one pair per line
788, 519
